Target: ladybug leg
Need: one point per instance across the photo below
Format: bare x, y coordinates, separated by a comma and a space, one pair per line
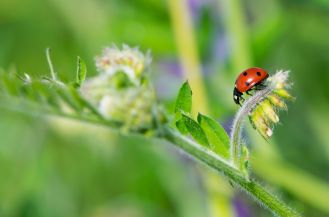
242, 99
248, 93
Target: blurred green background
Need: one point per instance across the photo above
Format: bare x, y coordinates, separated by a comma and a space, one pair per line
59, 168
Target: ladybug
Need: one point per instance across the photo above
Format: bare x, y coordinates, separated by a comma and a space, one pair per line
249, 79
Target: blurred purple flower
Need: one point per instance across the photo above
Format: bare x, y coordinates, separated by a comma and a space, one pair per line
171, 67
195, 7
169, 78
227, 124
220, 48
241, 208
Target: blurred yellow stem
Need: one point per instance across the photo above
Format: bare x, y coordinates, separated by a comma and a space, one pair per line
238, 35
186, 45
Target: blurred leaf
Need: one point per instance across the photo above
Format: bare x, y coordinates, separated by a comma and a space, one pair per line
184, 99
69, 99
83, 102
195, 130
81, 71
9, 84
216, 134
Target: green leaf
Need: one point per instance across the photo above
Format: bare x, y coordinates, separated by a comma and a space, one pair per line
180, 125
81, 71
195, 130
184, 99
244, 161
216, 135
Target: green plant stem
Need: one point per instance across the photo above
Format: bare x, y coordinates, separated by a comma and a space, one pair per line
314, 190
235, 137
259, 193
235, 140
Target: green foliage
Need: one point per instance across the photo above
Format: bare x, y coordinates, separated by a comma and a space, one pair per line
205, 130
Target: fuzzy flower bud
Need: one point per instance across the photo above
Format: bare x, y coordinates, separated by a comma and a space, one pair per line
268, 110
127, 60
277, 102
133, 107
264, 115
121, 92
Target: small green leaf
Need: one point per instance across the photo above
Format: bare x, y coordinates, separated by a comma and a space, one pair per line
184, 99
244, 161
81, 71
195, 130
181, 126
216, 134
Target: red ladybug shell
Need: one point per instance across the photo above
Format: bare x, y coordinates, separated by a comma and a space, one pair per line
249, 78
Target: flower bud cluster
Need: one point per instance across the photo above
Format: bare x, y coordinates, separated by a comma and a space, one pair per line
128, 60
264, 115
121, 91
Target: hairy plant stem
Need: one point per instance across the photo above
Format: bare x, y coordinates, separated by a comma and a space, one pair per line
259, 193
246, 108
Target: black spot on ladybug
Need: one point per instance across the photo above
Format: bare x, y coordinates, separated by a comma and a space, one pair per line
258, 73
245, 73
247, 83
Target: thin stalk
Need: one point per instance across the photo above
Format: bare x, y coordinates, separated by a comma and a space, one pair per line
51, 66
259, 193
246, 108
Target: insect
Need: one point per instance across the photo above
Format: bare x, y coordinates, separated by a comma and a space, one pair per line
249, 79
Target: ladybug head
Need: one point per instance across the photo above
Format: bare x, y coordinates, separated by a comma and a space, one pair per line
237, 96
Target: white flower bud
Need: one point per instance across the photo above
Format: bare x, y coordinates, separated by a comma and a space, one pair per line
117, 92
128, 60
